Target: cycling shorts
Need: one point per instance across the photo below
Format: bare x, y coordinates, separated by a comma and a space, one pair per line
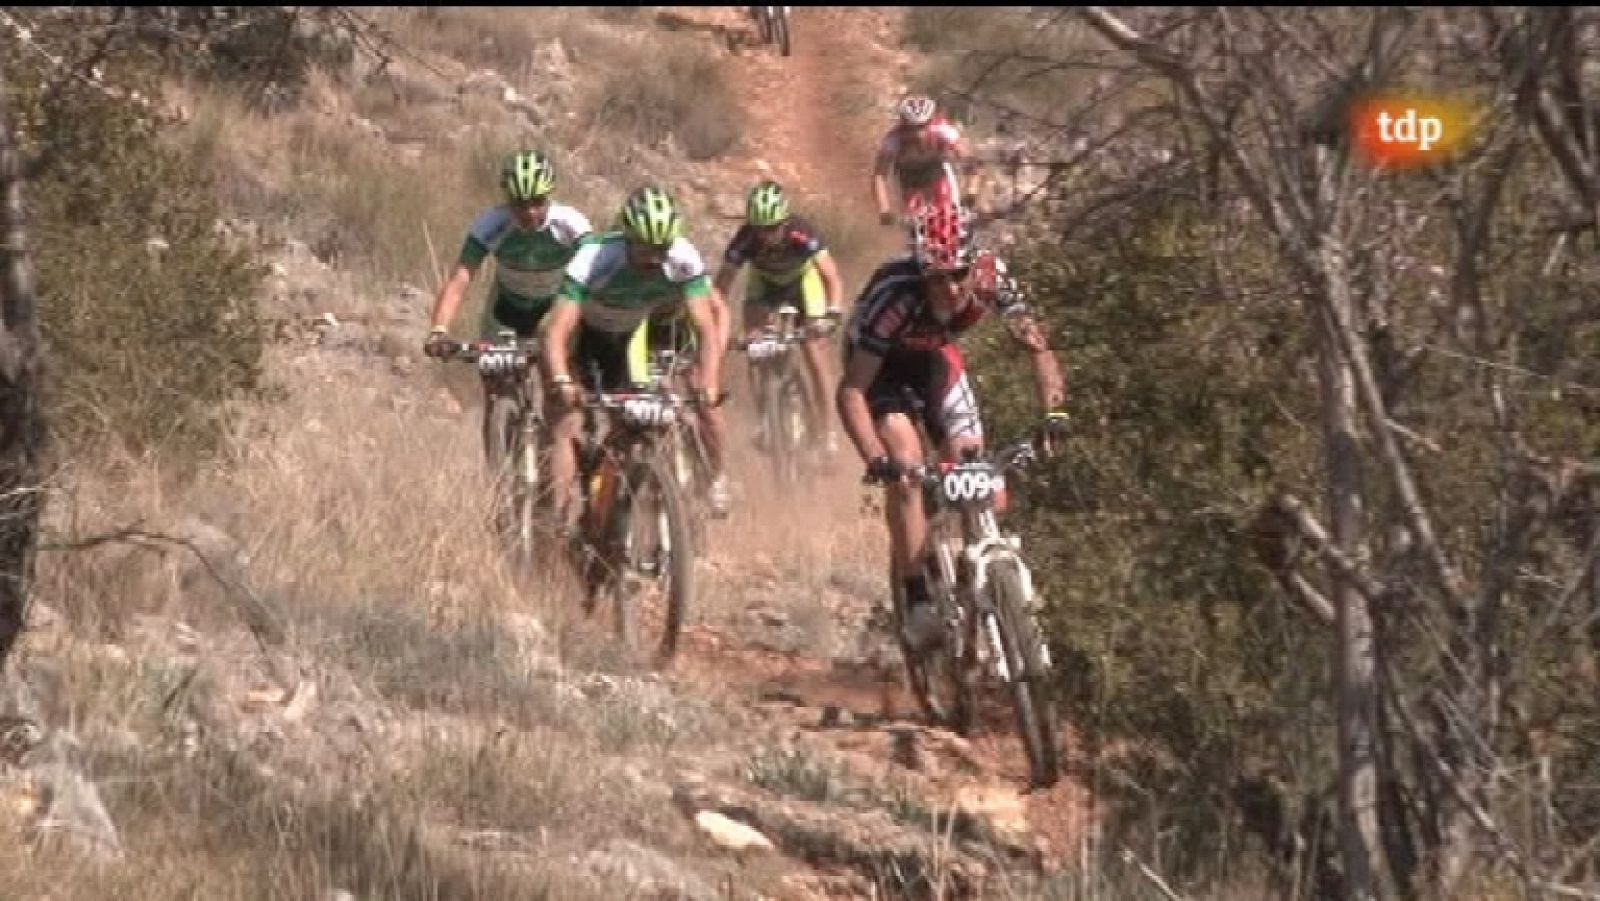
938, 380
620, 360
806, 293
500, 313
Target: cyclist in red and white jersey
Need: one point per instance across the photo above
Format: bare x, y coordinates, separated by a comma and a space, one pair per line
922, 151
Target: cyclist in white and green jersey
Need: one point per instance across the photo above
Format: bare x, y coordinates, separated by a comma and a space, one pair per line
601, 317
532, 239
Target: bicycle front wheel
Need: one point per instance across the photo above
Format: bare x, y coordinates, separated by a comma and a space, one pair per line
657, 556
1026, 664
513, 462
780, 23
940, 678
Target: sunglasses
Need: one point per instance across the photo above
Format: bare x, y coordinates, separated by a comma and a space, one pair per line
648, 251
532, 203
952, 275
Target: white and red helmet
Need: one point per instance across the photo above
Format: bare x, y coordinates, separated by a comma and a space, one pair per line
940, 240
917, 110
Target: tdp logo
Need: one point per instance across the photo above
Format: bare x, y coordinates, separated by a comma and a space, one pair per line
1406, 131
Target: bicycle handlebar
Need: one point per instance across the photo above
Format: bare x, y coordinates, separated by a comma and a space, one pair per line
472, 350
604, 400
809, 330
1011, 457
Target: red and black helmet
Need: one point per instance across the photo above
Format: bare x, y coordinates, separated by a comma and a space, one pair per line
941, 241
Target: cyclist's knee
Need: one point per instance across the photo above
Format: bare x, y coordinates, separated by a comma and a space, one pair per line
900, 439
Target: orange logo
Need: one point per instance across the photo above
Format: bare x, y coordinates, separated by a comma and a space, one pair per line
1408, 131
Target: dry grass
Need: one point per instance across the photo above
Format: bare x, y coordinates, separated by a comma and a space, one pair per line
357, 506
683, 94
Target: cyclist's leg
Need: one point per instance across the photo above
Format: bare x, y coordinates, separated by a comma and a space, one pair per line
954, 412
903, 511
565, 424
757, 306
636, 362
500, 314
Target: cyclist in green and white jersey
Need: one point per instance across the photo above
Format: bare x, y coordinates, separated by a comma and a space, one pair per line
532, 239
601, 317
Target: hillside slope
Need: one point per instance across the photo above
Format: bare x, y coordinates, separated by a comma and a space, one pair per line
319, 678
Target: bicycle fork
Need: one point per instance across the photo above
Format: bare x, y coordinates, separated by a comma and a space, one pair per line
978, 557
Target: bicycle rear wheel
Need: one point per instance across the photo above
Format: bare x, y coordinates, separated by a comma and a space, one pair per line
657, 581
1026, 664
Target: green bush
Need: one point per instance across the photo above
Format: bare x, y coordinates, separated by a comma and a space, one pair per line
148, 313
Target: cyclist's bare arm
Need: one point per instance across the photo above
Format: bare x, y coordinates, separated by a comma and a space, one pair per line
832, 282
451, 293
724, 318
880, 183
851, 400
1025, 330
723, 280
555, 334
704, 316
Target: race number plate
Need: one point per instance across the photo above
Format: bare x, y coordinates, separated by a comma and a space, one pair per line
969, 483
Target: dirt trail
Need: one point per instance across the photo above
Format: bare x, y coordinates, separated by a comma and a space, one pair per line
813, 123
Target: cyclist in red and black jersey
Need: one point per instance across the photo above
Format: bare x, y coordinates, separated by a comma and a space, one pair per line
902, 335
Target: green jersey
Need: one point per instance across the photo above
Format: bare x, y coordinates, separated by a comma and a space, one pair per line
529, 262
615, 297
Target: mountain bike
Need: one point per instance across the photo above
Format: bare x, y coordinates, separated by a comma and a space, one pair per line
774, 24
635, 523
984, 593
513, 434
672, 364
783, 392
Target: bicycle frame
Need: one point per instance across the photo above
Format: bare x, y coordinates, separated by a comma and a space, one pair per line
983, 545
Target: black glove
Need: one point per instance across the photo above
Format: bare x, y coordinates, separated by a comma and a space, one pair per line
1053, 431
883, 469
437, 345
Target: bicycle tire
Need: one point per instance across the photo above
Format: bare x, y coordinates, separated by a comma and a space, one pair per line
646, 479
515, 503
781, 26
1030, 691
765, 20
794, 413
775, 426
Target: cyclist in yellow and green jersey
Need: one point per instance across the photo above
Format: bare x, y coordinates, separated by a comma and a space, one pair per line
602, 310
789, 263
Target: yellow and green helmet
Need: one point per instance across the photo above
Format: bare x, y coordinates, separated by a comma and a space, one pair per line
766, 205
651, 217
527, 176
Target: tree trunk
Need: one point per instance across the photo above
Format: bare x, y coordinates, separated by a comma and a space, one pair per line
1360, 836
21, 420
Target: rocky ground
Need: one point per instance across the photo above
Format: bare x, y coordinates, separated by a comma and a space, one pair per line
429, 712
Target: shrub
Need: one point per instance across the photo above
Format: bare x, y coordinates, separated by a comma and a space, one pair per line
148, 313
681, 93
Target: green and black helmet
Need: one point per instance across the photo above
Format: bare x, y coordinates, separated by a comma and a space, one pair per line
650, 217
527, 176
767, 205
